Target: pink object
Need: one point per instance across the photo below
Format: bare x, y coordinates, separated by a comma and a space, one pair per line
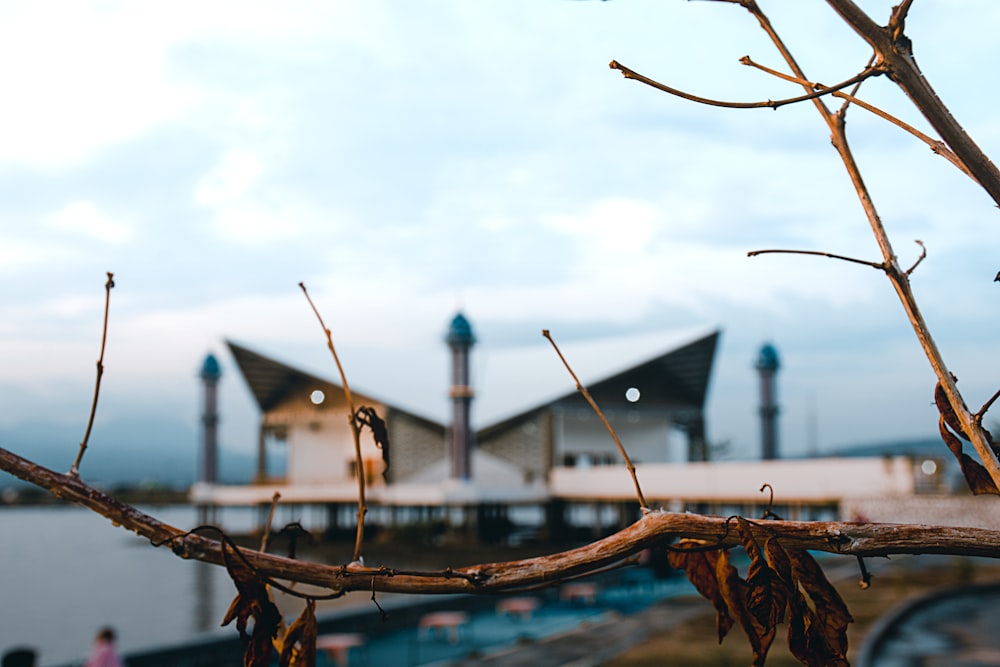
103, 655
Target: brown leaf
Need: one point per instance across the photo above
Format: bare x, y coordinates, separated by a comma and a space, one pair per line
734, 592
766, 594
800, 616
976, 476
825, 619
779, 560
302, 631
947, 412
366, 416
700, 567
252, 601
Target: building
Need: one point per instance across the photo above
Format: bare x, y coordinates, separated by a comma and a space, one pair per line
655, 404
459, 456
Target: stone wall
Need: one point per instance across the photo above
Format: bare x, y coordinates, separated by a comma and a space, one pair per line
414, 445
523, 444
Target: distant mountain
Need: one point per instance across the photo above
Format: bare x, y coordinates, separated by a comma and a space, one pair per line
127, 451
933, 446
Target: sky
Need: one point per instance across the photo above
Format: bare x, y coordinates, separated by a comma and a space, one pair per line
406, 160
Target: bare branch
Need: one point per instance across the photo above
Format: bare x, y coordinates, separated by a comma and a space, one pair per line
874, 265
355, 429
845, 538
921, 94
936, 146
75, 469
896, 54
772, 104
614, 436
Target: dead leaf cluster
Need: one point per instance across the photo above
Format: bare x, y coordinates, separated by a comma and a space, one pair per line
780, 584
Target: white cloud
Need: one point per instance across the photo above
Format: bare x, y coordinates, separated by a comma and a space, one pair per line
615, 225
76, 80
229, 180
83, 217
24, 254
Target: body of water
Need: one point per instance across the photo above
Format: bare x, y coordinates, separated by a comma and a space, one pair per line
65, 572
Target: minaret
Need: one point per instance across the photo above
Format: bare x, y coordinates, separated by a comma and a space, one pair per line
460, 339
210, 374
767, 366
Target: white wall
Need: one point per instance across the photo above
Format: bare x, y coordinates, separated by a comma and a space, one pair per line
802, 480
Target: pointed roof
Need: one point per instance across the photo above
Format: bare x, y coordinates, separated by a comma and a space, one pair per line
270, 381
669, 369
677, 378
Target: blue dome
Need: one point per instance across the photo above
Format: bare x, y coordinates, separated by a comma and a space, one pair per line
210, 370
767, 359
460, 331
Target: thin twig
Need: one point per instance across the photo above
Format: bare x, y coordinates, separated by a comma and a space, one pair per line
381, 611
355, 430
604, 420
766, 104
75, 469
266, 537
769, 512
936, 146
947, 127
923, 256
874, 265
986, 406
866, 576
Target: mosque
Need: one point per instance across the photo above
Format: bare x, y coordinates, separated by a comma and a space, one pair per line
545, 455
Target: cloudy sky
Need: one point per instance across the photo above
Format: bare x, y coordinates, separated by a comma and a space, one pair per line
408, 159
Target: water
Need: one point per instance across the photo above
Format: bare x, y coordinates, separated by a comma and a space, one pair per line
65, 572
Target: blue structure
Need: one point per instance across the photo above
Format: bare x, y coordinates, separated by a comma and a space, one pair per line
767, 366
210, 374
460, 437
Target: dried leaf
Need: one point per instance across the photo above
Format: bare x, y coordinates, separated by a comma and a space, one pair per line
976, 476
779, 561
766, 594
366, 416
800, 616
700, 567
826, 622
303, 632
734, 592
947, 412
252, 601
